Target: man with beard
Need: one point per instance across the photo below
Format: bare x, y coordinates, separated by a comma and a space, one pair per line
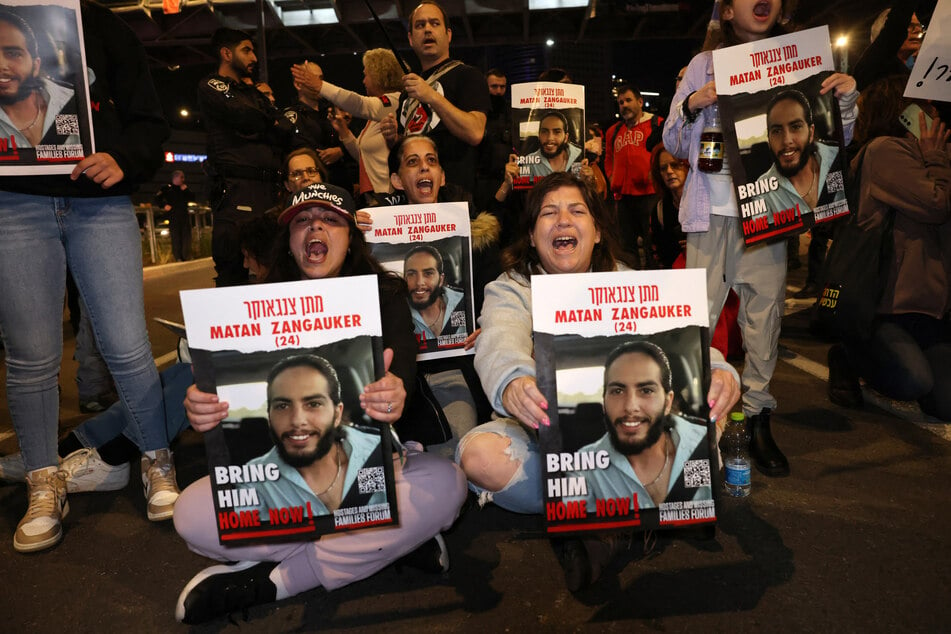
244, 144
437, 309
627, 157
448, 100
31, 104
800, 163
317, 455
555, 151
647, 445
497, 143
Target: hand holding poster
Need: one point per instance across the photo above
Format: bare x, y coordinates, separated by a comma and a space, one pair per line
623, 360
547, 129
295, 457
784, 141
45, 120
931, 75
430, 247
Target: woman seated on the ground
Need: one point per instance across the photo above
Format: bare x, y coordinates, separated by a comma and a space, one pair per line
430, 490
501, 458
909, 354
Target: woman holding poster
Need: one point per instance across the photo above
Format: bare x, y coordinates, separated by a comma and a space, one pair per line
710, 217
566, 230
320, 240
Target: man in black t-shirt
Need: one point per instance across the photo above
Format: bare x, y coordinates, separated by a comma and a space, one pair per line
448, 100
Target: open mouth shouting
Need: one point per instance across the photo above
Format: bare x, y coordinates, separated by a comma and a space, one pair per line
316, 251
762, 9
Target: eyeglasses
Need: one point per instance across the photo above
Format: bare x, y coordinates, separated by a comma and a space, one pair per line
916, 28
296, 175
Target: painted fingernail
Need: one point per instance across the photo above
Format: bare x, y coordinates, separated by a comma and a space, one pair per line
546, 422
713, 418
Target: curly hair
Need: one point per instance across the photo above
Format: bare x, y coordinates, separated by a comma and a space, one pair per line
879, 107
381, 65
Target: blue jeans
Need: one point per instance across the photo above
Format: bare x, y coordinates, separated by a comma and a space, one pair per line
99, 239
117, 420
523, 493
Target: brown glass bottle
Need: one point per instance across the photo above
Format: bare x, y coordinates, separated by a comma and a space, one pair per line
711, 144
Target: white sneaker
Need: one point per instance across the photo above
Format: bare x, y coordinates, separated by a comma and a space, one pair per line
12, 468
42, 526
87, 472
161, 490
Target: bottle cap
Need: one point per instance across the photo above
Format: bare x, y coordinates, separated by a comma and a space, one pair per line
737, 416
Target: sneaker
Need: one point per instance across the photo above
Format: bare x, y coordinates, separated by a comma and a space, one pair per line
86, 472
12, 468
220, 590
161, 490
42, 526
432, 556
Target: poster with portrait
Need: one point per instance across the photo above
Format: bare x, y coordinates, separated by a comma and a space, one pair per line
430, 246
547, 129
296, 457
783, 141
45, 118
623, 360
931, 74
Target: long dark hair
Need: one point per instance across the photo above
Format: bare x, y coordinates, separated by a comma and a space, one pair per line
879, 106
521, 257
358, 261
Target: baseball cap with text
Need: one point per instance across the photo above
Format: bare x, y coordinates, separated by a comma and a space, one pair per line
320, 195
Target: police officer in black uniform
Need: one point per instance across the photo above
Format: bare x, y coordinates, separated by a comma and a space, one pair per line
310, 120
246, 136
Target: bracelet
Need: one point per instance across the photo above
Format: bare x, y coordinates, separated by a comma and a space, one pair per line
685, 109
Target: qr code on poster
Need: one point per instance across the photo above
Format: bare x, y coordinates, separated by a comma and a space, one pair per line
834, 182
67, 124
457, 318
371, 480
696, 473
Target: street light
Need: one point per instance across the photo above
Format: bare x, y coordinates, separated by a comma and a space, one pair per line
842, 43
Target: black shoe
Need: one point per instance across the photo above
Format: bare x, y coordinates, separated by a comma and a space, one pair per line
767, 457
432, 556
844, 387
584, 560
220, 590
809, 291
793, 264
573, 558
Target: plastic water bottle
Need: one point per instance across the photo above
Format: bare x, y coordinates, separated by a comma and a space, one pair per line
711, 144
736, 458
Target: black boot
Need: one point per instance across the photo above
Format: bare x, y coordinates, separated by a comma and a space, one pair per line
767, 457
844, 387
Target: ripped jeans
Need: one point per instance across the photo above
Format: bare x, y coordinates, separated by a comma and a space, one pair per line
523, 493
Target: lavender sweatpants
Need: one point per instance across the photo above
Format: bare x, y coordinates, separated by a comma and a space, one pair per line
429, 491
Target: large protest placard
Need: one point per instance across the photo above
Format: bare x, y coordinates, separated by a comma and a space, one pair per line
296, 457
430, 247
547, 129
783, 140
45, 118
623, 361
931, 74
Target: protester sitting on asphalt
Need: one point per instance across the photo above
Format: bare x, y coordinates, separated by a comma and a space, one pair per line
909, 354
430, 490
501, 458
